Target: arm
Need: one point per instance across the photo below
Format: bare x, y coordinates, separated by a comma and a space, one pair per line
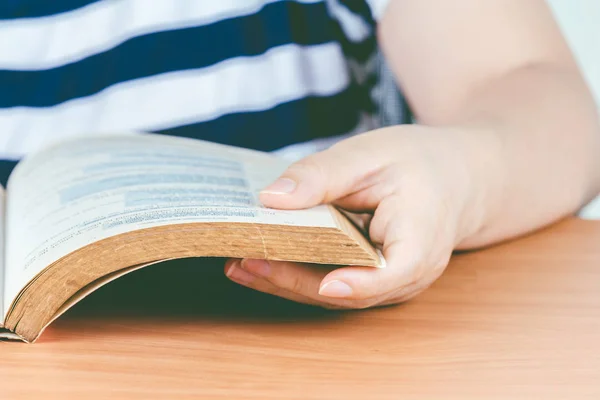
502, 68
508, 141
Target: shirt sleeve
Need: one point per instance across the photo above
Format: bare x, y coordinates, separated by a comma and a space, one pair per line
378, 8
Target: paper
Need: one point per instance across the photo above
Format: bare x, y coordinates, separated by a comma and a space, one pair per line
88, 189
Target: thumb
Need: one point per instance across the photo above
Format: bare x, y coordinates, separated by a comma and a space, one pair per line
317, 179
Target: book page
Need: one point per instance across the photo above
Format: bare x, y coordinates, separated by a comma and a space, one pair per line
87, 189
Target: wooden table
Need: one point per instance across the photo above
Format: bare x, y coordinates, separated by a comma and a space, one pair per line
517, 321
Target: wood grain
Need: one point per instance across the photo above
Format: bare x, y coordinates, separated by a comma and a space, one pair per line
518, 321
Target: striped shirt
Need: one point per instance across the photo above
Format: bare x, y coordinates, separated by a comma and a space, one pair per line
263, 74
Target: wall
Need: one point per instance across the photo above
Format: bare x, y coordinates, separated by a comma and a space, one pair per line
580, 22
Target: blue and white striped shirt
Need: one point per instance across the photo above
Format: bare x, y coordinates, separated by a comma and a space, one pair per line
262, 74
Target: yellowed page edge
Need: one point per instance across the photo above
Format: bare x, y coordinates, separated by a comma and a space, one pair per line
92, 287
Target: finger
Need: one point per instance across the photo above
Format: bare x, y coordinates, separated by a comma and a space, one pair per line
362, 283
406, 246
322, 177
294, 277
371, 191
304, 280
236, 274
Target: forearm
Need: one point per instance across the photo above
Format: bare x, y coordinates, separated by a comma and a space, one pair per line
533, 147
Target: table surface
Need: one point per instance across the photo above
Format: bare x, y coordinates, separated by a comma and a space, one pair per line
520, 321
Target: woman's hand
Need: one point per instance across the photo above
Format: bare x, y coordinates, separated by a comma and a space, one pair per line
528, 157
416, 186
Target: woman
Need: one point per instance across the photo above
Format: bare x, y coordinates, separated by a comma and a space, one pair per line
506, 139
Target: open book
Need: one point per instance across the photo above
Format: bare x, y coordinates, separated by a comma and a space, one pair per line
85, 211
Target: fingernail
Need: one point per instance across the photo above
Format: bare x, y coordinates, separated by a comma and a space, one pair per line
235, 273
257, 267
335, 289
280, 186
